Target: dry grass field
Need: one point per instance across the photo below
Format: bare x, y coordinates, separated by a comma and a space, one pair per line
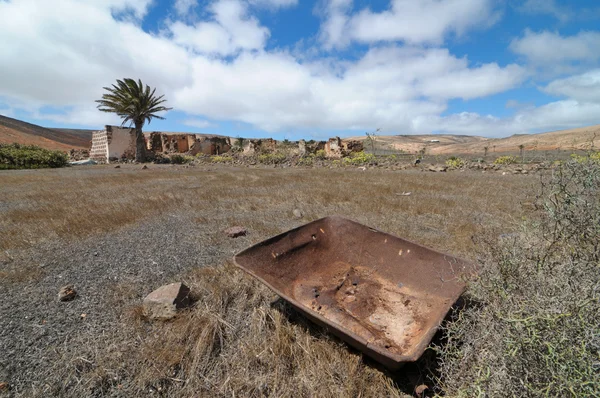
118, 234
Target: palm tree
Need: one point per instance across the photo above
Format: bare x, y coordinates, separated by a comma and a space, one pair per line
522, 151
136, 104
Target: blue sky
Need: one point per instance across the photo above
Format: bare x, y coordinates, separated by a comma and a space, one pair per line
301, 69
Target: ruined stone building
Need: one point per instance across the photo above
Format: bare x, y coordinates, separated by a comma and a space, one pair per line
113, 143
336, 148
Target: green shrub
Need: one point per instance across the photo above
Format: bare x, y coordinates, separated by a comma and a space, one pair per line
455, 162
592, 156
16, 156
306, 161
272, 158
359, 158
221, 159
321, 154
533, 326
181, 159
505, 160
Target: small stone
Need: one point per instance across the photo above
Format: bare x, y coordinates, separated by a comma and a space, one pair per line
118, 166
4, 386
164, 302
67, 293
236, 231
297, 213
145, 167
420, 389
437, 169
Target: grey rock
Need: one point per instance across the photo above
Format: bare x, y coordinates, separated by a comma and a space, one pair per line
164, 302
67, 293
297, 213
236, 231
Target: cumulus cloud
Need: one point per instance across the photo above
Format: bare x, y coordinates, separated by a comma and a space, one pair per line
549, 47
274, 3
198, 123
409, 21
584, 87
75, 48
183, 7
387, 86
232, 30
548, 7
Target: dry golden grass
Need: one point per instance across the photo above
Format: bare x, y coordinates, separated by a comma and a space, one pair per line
234, 341
443, 211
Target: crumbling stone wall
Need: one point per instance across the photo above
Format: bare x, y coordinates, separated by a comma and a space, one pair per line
333, 148
350, 146
210, 145
113, 143
99, 149
263, 145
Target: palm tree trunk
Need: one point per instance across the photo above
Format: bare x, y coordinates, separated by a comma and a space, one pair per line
140, 143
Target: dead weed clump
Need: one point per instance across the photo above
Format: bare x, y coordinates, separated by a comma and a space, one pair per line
236, 341
534, 330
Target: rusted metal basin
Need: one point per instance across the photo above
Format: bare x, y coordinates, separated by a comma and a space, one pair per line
383, 295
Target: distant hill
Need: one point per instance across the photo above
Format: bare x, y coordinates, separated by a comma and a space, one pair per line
572, 139
414, 143
13, 130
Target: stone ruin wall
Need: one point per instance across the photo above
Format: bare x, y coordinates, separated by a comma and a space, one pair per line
337, 148
191, 144
99, 149
112, 143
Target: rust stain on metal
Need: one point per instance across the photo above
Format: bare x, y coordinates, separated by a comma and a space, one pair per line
359, 285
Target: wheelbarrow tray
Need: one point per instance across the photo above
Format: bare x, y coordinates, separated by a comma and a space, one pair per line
382, 294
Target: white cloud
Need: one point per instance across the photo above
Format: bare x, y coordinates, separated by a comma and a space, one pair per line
584, 87
548, 7
334, 27
542, 48
274, 3
413, 22
231, 31
386, 87
62, 55
199, 123
183, 7
66, 51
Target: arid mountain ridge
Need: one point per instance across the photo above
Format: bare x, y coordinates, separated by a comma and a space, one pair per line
14, 130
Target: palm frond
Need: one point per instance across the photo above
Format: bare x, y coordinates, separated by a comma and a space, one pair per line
133, 101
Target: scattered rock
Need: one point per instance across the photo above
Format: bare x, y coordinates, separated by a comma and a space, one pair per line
236, 231
164, 302
418, 161
145, 167
420, 389
297, 213
404, 193
118, 166
437, 169
4, 386
67, 293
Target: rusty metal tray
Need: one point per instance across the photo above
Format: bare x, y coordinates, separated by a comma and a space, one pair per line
381, 294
